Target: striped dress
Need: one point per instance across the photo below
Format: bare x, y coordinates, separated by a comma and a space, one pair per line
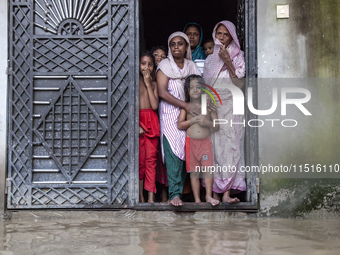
168, 117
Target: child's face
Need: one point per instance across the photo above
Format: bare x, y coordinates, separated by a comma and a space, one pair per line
209, 48
159, 56
145, 63
194, 91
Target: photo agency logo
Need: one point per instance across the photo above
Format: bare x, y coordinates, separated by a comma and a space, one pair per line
204, 98
238, 105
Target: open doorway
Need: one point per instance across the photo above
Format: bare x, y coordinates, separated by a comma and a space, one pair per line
158, 19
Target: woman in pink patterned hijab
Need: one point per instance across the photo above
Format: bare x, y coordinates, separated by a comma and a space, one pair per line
226, 66
227, 50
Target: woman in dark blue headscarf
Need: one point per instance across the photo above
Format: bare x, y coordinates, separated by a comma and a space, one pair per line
195, 33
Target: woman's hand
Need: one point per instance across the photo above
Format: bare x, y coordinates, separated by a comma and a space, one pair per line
224, 55
193, 109
211, 105
147, 77
141, 131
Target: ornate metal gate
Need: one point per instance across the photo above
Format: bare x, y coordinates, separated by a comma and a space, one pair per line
72, 103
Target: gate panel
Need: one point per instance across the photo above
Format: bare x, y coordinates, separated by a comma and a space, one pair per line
75, 55
71, 85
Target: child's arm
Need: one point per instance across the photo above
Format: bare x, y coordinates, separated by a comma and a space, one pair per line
202, 121
162, 83
182, 123
152, 90
155, 93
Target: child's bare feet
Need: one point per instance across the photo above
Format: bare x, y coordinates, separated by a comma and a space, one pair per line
176, 201
228, 199
151, 197
212, 201
197, 200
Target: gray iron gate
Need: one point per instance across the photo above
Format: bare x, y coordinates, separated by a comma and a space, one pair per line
72, 103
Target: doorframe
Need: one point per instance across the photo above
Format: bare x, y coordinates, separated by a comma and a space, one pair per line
248, 12
251, 135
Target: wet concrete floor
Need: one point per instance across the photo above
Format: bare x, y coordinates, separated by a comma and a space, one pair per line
180, 236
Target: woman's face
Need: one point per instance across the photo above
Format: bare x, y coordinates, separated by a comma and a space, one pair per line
159, 56
178, 47
194, 36
145, 63
223, 35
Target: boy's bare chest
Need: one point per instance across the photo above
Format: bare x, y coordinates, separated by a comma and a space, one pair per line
142, 90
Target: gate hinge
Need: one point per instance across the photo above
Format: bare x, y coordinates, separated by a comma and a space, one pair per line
8, 185
258, 185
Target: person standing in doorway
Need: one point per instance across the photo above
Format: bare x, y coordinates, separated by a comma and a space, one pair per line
226, 66
208, 47
148, 127
171, 75
159, 52
195, 34
198, 147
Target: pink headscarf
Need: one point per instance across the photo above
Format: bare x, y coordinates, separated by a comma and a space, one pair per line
185, 37
214, 64
172, 71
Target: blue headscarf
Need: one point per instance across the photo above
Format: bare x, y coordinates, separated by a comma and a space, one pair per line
197, 53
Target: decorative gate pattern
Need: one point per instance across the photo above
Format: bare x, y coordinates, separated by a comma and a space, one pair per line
72, 75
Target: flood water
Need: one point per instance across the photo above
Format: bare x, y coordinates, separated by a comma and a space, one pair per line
189, 236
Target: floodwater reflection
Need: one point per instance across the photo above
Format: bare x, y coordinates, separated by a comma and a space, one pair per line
231, 236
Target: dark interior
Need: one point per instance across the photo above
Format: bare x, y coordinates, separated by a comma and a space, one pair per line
160, 18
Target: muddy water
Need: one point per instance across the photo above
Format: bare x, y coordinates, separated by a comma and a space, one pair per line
231, 236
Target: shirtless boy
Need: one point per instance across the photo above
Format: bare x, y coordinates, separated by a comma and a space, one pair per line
198, 147
148, 127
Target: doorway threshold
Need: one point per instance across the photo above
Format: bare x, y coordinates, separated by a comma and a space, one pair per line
204, 206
